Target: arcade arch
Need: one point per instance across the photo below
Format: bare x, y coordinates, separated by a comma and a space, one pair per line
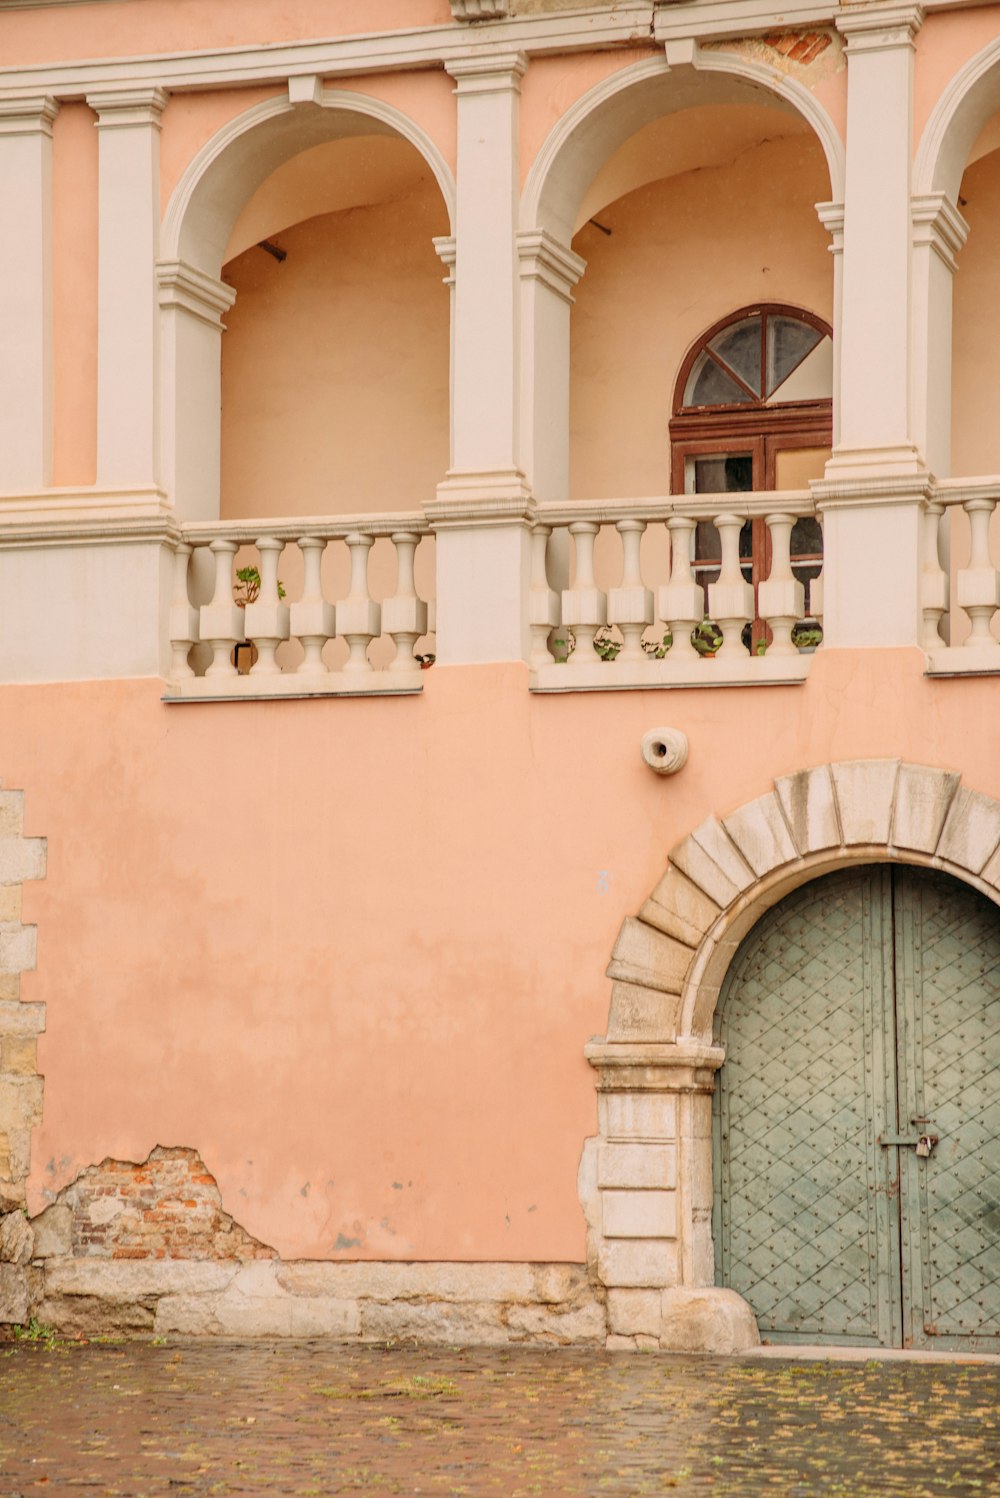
228, 175
626, 132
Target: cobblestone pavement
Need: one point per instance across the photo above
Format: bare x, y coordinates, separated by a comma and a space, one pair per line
315, 1418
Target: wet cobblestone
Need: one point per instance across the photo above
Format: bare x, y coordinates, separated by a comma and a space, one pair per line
311, 1418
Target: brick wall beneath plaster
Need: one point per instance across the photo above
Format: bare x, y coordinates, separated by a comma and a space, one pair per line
166, 1207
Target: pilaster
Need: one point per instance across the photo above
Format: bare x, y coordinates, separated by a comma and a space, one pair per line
128, 123
939, 232
26, 292
192, 306
549, 271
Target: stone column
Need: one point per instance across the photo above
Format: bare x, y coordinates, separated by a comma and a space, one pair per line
874, 333
875, 486
128, 122
26, 293
483, 511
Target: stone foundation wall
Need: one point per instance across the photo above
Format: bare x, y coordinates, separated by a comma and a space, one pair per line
552, 1304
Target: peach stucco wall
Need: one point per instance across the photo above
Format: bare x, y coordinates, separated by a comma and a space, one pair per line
335, 364
74, 295
351, 950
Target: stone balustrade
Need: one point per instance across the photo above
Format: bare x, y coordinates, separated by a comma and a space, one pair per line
267, 622
962, 611
670, 619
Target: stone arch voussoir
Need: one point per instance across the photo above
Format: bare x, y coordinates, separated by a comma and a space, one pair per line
668, 962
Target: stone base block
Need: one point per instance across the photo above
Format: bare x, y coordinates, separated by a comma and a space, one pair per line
708, 1320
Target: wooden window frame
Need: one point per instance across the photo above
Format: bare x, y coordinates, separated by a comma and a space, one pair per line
752, 427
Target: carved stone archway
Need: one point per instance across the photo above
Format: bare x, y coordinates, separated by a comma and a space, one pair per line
646, 1178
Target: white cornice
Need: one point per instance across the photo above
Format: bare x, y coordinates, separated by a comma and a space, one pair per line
385, 51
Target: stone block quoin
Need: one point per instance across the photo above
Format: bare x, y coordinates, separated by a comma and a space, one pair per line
21, 858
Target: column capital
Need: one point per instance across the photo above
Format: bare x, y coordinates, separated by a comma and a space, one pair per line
487, 73
879, 27
122, 108
831, 216
32, 115
654, 1066
938, 225
544, 258
181, 285
446, 249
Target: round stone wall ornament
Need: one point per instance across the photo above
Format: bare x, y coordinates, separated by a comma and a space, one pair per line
665, 750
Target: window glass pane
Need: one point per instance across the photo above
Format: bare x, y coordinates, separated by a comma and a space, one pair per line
788, 343
709, 385
724, 473
739, 347
812, 380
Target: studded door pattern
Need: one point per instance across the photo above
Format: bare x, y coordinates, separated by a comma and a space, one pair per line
948, 1003
863, 1001
802, 1224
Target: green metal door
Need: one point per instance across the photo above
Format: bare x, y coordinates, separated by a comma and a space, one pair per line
865, 1001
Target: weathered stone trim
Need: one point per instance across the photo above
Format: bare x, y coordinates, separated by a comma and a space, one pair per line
21, 858
649, 1237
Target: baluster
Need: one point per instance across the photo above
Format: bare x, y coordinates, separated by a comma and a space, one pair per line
359, 618
933, 578
631, 605
730, 600
267, 617
682, 603
978, 587
222, 623
584, 609
404, 615
543, 601
313, 621
782, 599
183, 615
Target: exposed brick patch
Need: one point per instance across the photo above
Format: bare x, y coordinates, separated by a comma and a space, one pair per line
810, 56
167, 1207
802, 47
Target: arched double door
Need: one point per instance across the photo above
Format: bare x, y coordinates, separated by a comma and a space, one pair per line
857, 1116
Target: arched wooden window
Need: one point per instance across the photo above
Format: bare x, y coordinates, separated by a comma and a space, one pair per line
753, 409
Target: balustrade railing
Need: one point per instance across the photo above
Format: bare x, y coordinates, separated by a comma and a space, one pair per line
959, 626
673, 619
290, 608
